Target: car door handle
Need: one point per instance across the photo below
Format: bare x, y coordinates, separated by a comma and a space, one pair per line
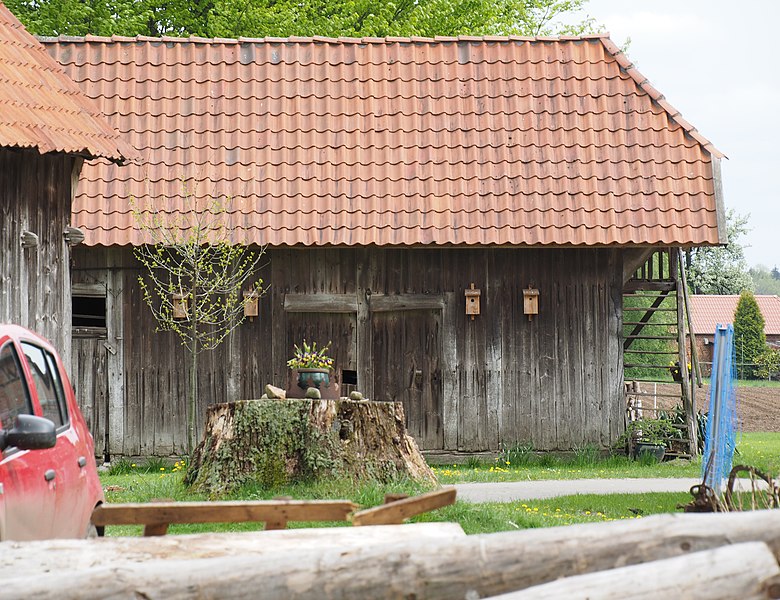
82, 461
49, 475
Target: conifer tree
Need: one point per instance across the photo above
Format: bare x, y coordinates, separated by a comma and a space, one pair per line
749, 336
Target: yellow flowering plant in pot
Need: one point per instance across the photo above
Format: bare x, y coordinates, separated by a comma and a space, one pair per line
312, 365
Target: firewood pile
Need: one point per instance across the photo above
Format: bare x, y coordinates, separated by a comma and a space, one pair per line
714, 556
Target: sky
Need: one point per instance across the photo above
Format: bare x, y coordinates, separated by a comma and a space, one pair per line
714, 62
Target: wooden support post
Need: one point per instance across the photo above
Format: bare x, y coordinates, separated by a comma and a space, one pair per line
694, 350
153, 529
689, 404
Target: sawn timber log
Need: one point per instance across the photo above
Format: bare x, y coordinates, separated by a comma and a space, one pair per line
475, 566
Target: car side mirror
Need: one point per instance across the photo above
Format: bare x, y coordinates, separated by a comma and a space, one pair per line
29, 433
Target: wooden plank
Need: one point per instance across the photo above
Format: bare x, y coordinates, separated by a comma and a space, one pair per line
394, 513
365, 271
222, 512
282, 267
658, 286
383, 303
320, 303
613, 364
115, 367
567, 418
449, 362
494, 330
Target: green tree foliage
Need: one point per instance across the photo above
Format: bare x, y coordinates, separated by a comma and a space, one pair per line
193, 266
768, 364
765, 281
259, 18
749, 336
722, 269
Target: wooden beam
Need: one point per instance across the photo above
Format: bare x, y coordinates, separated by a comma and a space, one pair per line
92, 290
273, 511
321, 303
394, 513
382, 303
634, 258
720, 205
655, 286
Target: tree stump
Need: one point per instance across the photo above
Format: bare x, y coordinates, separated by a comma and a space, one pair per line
274, 442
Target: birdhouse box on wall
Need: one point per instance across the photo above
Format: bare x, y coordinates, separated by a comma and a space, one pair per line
530, 302
472, 301
250, 303
179, 306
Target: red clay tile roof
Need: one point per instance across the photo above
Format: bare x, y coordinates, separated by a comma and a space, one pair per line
41, 108
470, 141
708, 311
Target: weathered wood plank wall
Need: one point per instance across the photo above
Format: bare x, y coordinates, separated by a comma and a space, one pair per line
397, 318
35, 196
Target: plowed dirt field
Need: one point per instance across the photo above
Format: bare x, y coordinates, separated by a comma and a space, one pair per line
758, 408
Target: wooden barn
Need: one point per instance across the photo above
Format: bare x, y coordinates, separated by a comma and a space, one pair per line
48, 127
416, 198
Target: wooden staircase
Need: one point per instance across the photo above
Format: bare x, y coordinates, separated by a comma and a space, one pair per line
656, 322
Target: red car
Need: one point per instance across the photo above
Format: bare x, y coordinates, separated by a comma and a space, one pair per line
48, 476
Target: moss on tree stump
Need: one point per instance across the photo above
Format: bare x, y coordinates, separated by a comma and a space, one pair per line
274, 442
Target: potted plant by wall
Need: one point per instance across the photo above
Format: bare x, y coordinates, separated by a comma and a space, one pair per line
311, 365
647, 437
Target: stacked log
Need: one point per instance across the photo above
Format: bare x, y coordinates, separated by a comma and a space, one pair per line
721, 555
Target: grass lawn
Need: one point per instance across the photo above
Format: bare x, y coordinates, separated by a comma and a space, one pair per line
157, 479
752, 383
521, 464
760, 450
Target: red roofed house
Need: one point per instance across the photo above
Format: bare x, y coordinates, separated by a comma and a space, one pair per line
708, 311
48, 127
386, 176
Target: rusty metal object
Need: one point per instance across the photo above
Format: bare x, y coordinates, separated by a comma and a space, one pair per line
704, 500
763, 493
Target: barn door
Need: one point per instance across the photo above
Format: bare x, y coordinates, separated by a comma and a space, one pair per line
407, 368
89, 377
336, 328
